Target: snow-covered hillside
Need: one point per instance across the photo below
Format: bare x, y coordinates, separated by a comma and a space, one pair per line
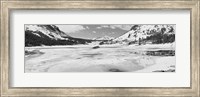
50, 31
37, 35
143, 31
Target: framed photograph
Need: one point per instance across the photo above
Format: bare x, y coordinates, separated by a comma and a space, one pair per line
100, 48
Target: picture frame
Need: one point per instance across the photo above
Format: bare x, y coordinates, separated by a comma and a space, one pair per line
8, 5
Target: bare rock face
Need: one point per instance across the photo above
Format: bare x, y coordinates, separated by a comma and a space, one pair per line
95, 47
161, 53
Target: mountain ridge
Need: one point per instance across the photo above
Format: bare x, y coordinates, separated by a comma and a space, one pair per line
37, 35
145, 32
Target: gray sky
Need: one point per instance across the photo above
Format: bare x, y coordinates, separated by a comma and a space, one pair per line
94, 31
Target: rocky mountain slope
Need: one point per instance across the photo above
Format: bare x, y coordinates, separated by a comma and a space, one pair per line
37, 35
153, 33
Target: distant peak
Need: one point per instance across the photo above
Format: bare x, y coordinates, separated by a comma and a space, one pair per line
135, 27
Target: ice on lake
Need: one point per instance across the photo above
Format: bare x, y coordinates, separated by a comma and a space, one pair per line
105, 58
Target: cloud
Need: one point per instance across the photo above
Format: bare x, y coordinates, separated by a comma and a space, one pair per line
87, 27
103, 26
71, 28
99, 27
122, 26
112, 27
94, 32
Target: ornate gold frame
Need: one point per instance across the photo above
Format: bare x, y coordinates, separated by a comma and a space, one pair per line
192, 5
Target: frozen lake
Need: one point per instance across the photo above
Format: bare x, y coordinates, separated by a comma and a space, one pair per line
107, 58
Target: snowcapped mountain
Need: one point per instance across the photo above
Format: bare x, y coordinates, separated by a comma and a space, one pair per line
37, 35
104, 38
51, 31
144, 31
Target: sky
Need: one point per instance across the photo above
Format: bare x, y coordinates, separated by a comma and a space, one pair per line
94, 31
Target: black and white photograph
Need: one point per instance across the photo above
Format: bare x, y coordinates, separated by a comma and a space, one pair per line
139, 48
